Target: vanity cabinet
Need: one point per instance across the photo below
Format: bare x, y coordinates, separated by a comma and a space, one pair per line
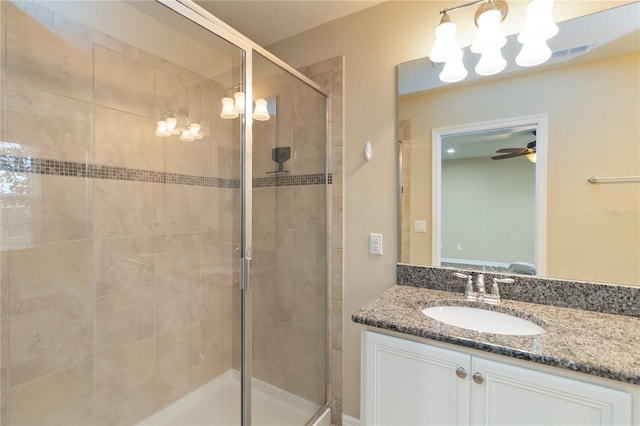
412, 383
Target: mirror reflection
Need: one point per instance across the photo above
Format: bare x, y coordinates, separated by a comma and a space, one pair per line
491, 174
586, 231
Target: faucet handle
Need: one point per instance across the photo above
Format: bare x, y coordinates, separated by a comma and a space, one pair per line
468, 291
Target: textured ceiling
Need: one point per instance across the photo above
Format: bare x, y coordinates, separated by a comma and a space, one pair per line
268, 21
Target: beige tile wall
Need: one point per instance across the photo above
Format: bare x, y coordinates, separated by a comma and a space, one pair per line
116, 296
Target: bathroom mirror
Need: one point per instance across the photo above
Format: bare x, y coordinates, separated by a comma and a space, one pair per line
588, 93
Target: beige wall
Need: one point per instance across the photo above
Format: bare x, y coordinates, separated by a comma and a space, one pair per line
373, 42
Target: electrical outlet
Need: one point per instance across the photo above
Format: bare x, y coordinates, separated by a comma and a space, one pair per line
375, 244
420, 226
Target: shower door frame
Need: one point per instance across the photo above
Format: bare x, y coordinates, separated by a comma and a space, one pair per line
202, 17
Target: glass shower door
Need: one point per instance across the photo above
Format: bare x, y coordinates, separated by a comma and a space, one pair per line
120, 217
289, 267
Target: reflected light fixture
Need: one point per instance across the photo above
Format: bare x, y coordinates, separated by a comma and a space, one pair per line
234, 107
177, 123
531, 157
490, 40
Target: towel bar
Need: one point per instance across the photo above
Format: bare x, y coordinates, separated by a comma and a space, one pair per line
615, 179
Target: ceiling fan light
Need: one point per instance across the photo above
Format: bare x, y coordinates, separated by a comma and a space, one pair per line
532, 157
446, 44
533, 53
453, 70
491, 62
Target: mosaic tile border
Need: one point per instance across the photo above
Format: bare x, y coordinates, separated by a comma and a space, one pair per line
16, 164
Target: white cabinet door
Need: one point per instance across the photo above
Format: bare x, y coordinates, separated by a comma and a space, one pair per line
510, 395
409, 383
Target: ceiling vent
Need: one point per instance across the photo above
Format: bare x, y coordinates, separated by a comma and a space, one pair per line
571, 51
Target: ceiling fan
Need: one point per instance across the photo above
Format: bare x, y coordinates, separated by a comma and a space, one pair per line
516, 152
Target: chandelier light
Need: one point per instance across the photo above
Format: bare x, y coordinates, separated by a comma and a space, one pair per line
489, 39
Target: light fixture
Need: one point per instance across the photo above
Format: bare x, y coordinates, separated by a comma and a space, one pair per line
531, 157
260, 111
234, 107
227, 109
238, 105
490, 40
177, 123
538, 28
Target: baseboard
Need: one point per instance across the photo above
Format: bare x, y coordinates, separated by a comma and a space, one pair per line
350, 421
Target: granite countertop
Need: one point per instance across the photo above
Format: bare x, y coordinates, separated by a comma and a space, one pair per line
600, 344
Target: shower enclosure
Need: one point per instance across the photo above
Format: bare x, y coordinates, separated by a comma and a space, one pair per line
160, 264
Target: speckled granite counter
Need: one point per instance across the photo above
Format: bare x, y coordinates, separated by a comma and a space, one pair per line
599, 344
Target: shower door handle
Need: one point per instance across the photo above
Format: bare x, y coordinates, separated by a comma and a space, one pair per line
245, 268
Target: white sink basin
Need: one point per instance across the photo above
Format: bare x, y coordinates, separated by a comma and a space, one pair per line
483, 320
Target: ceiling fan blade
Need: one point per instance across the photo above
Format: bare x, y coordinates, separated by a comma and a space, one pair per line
511, 150
514, 154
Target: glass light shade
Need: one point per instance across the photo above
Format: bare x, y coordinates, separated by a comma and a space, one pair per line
489, 35
260, 112
491, 62
539, 24
533, 53
227, 109
446, 43
161, 130
186, 136
194, 128
454, 70
238, 107
531, 157
171, 126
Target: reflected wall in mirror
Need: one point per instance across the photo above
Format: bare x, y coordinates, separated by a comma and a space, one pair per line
485, 191
592, 105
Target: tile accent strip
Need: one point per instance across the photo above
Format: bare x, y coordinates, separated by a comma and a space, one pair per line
590, 296
15, 164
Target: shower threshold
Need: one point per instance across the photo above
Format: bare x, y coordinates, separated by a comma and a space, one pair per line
217, 403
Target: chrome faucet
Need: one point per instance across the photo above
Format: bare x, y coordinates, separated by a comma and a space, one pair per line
494, 297
481, 293
469, 293
480, 286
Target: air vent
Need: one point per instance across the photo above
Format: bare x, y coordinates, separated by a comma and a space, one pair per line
571, 51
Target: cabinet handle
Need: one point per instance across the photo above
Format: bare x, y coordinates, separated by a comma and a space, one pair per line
461, 372
477, 377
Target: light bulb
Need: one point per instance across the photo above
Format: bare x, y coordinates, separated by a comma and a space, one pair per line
491, 62
238, 107
446, 44
260, 112
453, 70
489, 35
227, 109
533, 53
531, 157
